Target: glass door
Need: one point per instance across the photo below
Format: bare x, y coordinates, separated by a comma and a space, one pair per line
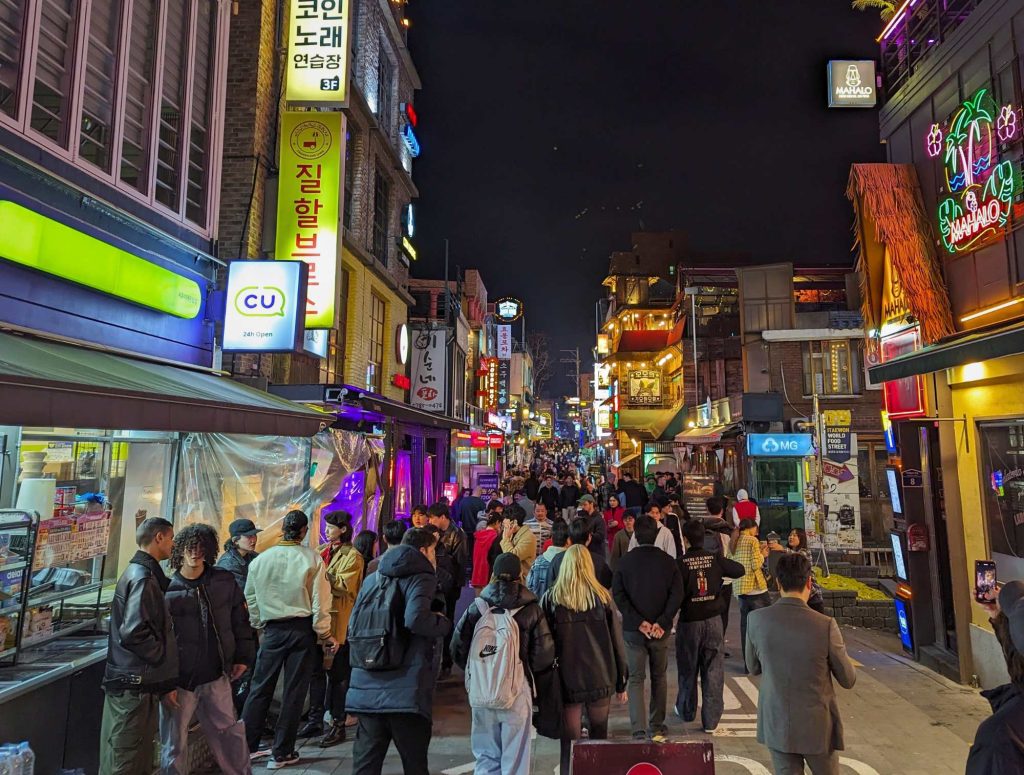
778, 490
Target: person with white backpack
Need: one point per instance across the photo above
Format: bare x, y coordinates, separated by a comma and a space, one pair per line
502, 640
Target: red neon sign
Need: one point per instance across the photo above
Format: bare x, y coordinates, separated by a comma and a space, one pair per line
401, 381
410, 113
904, 398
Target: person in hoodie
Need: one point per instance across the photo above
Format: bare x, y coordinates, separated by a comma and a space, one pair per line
215, 646
501, 738
664, 539
484, 541
998, 747
540, 572
700, 637
397, 705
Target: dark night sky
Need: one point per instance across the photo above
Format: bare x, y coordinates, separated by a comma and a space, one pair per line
692, 114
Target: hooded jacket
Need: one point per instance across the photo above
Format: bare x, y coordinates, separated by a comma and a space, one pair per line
483, 540
142, 653
215, 601
409, 688
536, 646
590, 650
998, 747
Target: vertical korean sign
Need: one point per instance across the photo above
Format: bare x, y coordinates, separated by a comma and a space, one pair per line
318, 53
308, 205
429, 370
505, 343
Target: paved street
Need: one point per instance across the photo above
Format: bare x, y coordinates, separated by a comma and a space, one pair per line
900, 719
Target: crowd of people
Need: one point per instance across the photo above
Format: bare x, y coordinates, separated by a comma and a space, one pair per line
580, 585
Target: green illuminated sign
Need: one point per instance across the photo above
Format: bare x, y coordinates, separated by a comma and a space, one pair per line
37, 242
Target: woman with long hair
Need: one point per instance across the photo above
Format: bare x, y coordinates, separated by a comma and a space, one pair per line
613, 518
796, 543
365, 543
752, 589
590, 651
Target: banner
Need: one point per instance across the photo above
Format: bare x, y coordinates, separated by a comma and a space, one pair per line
644, 388
309, 205
505, 342
429, 370
318, 53
837, 434
504, 378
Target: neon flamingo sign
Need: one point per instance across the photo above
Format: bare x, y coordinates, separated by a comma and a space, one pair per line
981, 188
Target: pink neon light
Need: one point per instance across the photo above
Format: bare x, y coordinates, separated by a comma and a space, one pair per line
1006, 124
933, 143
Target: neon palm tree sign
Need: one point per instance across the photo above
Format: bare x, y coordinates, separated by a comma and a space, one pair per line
981, 188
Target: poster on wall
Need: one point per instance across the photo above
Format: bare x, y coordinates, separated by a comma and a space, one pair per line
644, 388
839, 530
837, 434
429, 370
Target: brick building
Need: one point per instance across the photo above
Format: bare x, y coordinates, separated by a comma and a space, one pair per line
378, 219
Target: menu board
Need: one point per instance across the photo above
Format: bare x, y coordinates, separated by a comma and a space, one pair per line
65, 540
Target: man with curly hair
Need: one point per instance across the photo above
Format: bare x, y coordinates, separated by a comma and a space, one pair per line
215, 646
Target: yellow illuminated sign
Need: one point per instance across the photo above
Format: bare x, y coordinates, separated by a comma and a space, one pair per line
309, 205
318, 53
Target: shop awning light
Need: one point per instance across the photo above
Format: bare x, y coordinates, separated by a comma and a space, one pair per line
993, 308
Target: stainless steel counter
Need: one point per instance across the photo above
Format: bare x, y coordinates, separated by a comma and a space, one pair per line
45, 664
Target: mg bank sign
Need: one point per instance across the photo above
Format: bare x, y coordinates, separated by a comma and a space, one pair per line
264, 306
780, 444
851, 84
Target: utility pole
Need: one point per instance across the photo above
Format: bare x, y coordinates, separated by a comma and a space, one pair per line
575, 371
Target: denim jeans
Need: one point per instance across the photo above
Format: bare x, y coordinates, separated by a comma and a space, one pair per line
213, 705
750, 603
501, 738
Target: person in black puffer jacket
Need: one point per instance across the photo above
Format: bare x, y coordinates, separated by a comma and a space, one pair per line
215, 646
398, 704
588, 645
501, 738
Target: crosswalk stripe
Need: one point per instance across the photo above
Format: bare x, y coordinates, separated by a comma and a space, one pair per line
747, 687
738, 716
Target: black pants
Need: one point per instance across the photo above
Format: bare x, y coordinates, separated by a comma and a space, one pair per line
289, 645
726, 604
450, 602
329, 688
411, 733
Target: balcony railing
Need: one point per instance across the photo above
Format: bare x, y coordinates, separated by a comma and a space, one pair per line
917, 30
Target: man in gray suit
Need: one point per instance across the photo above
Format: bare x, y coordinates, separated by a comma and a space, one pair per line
798, 651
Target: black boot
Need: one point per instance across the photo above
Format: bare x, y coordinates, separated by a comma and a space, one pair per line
314, 727
335, 734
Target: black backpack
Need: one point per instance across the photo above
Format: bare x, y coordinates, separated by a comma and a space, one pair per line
376, 633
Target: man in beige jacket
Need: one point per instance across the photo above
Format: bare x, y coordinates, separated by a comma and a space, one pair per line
289, 602
798, 652
517, 538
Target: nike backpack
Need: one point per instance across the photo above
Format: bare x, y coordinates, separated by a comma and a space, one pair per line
494, 672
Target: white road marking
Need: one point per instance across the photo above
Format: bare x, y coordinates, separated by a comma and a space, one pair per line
462, 769
858, 767
747, 687
754, 768
738, 716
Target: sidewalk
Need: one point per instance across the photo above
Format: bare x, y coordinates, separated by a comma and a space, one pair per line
899, 719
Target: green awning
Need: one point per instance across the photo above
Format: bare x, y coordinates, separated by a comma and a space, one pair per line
981, 346
47, 384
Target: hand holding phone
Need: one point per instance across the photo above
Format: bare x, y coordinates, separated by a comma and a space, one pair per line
986, 589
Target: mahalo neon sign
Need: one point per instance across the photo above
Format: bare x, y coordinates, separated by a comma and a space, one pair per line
981, 188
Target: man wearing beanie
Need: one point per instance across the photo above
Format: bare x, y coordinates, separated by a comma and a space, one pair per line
501, 738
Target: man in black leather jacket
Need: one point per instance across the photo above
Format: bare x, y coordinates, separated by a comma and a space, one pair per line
142, 655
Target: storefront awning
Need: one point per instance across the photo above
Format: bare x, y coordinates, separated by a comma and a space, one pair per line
983, 346
649, 424
46, 384
711, 434
360, 404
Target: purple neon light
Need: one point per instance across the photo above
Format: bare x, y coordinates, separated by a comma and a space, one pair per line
893, 25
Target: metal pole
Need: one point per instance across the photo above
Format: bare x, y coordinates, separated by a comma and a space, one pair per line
696, 389
819, 474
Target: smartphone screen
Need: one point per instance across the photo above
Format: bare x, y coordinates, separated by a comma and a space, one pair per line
985, 589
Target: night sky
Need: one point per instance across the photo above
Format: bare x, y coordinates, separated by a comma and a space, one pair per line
551, 129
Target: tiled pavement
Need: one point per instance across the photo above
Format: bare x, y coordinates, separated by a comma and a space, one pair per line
900, 719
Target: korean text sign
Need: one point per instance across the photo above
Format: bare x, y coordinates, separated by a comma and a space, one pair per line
505, 342
318, 52
309, 206
429, 370
264, 306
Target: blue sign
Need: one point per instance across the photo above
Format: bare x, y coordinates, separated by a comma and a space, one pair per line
409, 138
264, 306
780, 444
903, 620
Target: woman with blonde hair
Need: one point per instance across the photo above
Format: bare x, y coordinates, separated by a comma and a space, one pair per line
590, 652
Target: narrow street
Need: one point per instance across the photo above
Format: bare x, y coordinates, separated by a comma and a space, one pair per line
900, 718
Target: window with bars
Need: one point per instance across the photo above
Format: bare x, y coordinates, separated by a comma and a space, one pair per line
832, 367
381, 202
12, 22
126, 87
385, 88
378, 313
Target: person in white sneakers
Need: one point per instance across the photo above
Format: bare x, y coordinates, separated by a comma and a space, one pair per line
500, 664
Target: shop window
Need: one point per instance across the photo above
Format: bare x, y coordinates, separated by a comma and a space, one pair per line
381, 200
51, 92
1002, 486
832, 367
378, 314
12, 22
172, 101
199, 129
138, 99
385, 88
96, 131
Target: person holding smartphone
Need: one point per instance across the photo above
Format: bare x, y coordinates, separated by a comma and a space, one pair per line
517, 538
